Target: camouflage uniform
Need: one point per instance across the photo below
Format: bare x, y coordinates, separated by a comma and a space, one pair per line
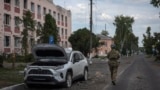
113, 63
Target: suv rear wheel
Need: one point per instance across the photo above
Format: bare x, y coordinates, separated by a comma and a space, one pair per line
68, 82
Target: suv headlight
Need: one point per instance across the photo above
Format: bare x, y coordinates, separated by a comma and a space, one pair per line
59, 67
25, 70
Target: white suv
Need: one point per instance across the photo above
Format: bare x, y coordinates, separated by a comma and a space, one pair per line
55, 65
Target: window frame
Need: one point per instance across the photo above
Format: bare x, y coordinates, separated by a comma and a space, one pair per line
50, 11
7, 1
62, 18
7, 41
66, 19
44, 11
62, 32
25, 4
66, 32
17, 3
38, 9
17, 42
58, 16
7, 19
16, 21
54, 15
32, 7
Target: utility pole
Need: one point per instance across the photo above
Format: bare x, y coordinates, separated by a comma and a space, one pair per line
105, 27
91, 23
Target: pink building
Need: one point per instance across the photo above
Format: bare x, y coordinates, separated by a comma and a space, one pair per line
105, 45
10, 29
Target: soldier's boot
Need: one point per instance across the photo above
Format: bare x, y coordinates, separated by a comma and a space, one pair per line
113, 82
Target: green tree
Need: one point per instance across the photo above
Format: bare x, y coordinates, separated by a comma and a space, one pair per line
123, 30
105, 33
155, 3
49, 29
148, 41
29, 26
80, 40
131, 44
157, 41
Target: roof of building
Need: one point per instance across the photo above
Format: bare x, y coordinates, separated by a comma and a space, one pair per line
102, 37
51, 1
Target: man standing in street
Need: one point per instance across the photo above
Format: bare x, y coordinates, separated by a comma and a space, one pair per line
113, 63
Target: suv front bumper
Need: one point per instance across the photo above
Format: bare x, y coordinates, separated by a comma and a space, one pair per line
46, 80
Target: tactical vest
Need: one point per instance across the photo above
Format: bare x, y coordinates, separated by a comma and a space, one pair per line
113, 55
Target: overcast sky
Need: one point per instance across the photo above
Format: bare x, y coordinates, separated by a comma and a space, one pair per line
104, 12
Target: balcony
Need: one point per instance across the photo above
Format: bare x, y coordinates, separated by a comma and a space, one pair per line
17, 49
58, 22
44, 18
66, 37
33, 15
39, 16
7, 6
66, 25
7, 50
62, 24
24, 11
16, 9
7, 28
17, 30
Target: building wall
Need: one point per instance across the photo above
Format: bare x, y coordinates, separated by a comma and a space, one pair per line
104, 49
1, 27
12, 31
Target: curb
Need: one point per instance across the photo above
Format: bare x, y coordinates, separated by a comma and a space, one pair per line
11, 87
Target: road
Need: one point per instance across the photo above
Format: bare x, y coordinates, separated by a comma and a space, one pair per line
142, 74
134, 73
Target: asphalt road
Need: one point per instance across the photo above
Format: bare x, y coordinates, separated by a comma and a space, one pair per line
134, 73
142, 74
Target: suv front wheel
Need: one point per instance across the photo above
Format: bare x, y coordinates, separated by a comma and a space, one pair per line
68, 82
85, 76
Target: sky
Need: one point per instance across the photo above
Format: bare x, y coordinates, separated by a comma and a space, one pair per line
105, 11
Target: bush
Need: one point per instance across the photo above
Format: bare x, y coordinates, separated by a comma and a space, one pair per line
96, 56
20, 58
29, 58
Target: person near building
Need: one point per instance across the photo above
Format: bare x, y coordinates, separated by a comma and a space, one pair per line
113, 63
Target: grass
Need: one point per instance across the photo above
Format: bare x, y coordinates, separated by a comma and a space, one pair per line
10, 76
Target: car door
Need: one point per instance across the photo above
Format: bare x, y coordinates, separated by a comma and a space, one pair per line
81, 64
76, 65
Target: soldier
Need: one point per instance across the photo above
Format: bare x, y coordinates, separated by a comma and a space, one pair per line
113, 63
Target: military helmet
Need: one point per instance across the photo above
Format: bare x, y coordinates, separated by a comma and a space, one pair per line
113, 46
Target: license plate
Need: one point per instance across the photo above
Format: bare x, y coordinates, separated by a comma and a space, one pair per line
39, 79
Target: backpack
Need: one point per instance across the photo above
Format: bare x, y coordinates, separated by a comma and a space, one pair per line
113, 55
